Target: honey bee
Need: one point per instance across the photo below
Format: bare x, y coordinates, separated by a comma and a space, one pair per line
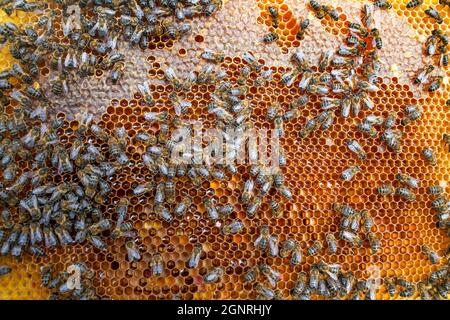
368, 221
272, 275
353, 40
431, 255
296, 256
414, 3
244, 74
132, 251
9, 173
314, 248
428, 154
320, 10
358, 29
247, 192
391, 286
343, 209
437, 275
36, 235
212, 7
270, 37
431, 44
144, 91
46, 275
182, 206
252, 62
439, 202
383, 4
287, 247
435, 83
331, 243
443, 60
273, 111
368, 15
17, 72
156, 264
4, 270
216, 57
385, 189
391, 138
163, 213
285, 192
143, 188
356, 148
156, 117
314, 275
233, 227
302, 29
436, 190
277, 211
433, 13
333, 13
347, 281
423, 74
214, 275
390, 120
123, 230
375, 33
374, 242
408, 290
159, 193
288, 78
300, 285
279, 127
171, 77
251, 275
325, 59
195, 256
350, 237
423, 290
446, 139
263, 292
253, 207
407, 180
96, 242
405, 194
274, 16
349, 173
262, 241
367, 128
205, 75
273, 246
211, 210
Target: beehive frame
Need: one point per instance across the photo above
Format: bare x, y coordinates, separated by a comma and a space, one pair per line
312, 173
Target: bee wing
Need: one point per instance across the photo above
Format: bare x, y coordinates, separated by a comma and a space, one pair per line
67, 27
170, 73
142, 89
249, 57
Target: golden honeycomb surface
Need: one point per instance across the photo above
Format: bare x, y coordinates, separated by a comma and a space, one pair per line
312, 173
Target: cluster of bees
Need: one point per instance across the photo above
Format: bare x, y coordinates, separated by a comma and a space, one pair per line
338, 82
95, 35
69, 285
431, 11
39, 215
435, 45
439, 40
434, 287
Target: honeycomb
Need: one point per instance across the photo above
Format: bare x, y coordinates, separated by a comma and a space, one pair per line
312, 173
